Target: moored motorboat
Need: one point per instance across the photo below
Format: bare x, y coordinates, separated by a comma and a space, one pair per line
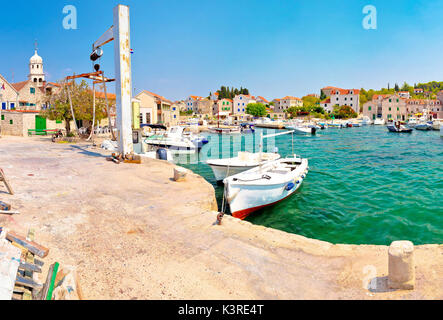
379, 122
223, 168
423, 126
302, 129
226, 130
173, 140
264, 185
398, 127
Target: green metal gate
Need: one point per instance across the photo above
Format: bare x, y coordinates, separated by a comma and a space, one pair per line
40, 123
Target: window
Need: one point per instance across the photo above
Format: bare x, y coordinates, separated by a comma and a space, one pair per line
174, 108
175, 116
369, 108
397, 100
390, 100
3, 117
389, 108
12, 105
32, 90
11, 122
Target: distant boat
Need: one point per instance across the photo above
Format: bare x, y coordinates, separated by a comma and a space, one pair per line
298, 129
379, 122
423, 126
223, 168
399, 128
247, 128
227, 130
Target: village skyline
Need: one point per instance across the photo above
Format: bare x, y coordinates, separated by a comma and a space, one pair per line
195, 52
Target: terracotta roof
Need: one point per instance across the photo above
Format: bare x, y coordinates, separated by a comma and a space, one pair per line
216, 93
376, 96
329, 87
196, 97
291, 98
24, 111
19, 85
260, 97
345, 91
161, 98
328, 100
54, 84
100, 94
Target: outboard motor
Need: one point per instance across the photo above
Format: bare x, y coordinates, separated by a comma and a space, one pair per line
313, 130
162, 154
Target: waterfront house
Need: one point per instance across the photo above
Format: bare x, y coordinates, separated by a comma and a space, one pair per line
404, 94
191, 103
287, 102
432, 106
341, 97
262, 100
9, 96
224, 106
240, 103
418, 91
386, 106
156, 109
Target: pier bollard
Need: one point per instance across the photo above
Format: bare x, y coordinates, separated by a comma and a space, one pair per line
401, 265
179, 174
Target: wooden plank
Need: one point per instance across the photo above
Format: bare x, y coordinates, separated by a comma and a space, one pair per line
19, 289
5, 181
9, 212
33, 247
29, 267
28, 283
44, 292
52, 283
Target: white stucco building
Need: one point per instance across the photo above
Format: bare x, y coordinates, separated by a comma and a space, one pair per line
241, 101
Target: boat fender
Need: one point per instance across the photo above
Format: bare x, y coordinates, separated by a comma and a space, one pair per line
290, 186
303, 176
297, 182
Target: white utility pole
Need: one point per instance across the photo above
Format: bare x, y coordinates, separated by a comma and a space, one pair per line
120, 34
123, 78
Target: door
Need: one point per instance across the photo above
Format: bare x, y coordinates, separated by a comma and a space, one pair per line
40, 123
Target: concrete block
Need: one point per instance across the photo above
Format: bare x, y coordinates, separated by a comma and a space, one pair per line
180, 174
401, 265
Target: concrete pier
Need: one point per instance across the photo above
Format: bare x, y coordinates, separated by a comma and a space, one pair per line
134, 233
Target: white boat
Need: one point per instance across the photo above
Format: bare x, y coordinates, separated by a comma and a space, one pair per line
379, 122
336, 125
424, 126
437, 124
302, 129
412, 121
227, 130
174, 140
223, 168
264, 185
365, 121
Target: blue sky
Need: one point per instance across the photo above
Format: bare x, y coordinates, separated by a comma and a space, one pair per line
274, 48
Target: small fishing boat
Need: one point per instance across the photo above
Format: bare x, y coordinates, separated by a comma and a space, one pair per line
412, 122
398, 127
226, 130
247, 128
379, 122
264, 185
335, 125
437, 124
302, 129
223, 168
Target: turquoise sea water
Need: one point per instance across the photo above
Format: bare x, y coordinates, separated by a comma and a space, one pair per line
365, 185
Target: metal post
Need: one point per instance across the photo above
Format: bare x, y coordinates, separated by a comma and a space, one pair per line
123, 81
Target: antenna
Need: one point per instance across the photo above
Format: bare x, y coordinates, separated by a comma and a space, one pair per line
36, 45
